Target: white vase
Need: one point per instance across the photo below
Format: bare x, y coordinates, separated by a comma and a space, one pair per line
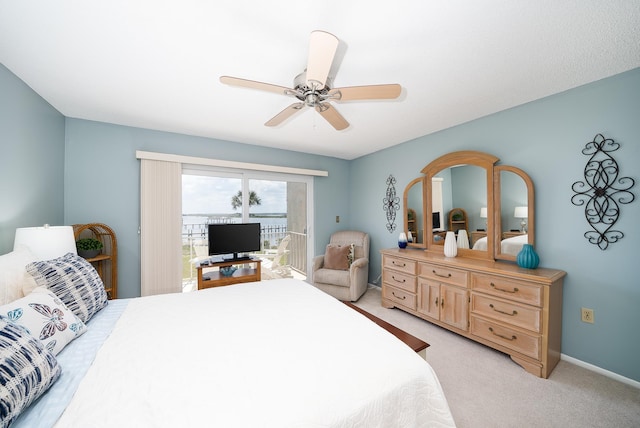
402, 240
463, 239
450, 245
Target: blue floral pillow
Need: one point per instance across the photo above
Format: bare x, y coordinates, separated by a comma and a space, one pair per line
46, 318
74, 281
28, 369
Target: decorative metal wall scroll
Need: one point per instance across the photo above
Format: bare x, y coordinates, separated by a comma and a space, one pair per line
391, 203
602, 192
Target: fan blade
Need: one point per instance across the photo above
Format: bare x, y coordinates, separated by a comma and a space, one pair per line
251, 84
371, 92
285, 114
322, 49
332, 116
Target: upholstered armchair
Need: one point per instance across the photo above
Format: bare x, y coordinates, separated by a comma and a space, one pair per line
340, 273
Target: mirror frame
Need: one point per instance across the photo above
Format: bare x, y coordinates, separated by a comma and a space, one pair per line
498, 209
467, 157
405, 201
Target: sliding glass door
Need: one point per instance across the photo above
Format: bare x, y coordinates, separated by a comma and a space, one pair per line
279, 202
281, 209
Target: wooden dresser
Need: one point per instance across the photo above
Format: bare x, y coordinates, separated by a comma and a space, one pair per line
514, 310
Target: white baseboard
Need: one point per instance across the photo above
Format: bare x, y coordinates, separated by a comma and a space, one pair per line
600, 370
582, 364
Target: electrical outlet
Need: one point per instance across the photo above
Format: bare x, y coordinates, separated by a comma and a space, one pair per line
587, 315
337, 219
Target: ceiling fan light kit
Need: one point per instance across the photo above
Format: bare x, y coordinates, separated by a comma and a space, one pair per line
313, 88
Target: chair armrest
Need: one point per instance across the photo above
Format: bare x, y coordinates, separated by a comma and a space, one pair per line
318, 262
359, 272
359, 263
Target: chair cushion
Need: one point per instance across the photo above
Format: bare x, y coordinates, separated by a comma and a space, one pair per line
337, 257
332, 276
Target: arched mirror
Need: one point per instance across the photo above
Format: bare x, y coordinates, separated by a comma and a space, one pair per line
515, 211
494, 204
414, 209
467, 187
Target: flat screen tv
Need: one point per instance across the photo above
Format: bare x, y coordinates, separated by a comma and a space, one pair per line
233, 239
435, 219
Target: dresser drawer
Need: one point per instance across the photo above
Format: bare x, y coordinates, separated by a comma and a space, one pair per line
528, 317
399, 264
446, 274
400, 280
507, 288
516, 340
399, 296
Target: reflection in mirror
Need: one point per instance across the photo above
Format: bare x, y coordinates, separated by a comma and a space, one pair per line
464, 194
467, 184
516, 211
513, 195
414, 213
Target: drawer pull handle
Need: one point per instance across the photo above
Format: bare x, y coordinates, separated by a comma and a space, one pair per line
513, 337
436, 301
393, 262
440, 275
398, 297
442, 303
503, 312
515, 289
397, 280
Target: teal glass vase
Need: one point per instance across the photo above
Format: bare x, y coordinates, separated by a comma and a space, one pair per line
527, 257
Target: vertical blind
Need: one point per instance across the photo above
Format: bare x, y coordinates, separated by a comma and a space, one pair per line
160, 227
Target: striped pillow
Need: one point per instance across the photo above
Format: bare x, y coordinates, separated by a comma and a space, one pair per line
28, 369
74, 281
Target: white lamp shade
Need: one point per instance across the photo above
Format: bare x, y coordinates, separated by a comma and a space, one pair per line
48, 242
521, 212
483, 212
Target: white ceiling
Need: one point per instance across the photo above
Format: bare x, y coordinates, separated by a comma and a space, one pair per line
156, 64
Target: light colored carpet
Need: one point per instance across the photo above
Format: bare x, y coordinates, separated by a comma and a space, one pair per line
485, 388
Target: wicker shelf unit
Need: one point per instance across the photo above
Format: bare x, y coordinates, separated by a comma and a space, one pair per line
106, 263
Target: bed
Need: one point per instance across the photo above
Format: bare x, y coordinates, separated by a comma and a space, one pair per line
277, 353
510, 246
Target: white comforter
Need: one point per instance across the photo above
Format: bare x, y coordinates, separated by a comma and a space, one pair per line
510, 246
269, 354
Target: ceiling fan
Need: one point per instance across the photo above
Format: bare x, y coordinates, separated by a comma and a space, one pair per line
313, 88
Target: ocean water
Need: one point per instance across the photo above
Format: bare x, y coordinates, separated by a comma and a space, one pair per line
190, 220
273, 228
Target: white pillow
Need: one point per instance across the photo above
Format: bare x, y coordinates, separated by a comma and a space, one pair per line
46, 318
14, 279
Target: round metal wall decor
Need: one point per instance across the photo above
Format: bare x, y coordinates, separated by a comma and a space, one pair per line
391, 203
602, 192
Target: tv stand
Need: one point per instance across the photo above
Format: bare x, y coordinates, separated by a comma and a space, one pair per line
210, 276
235, 258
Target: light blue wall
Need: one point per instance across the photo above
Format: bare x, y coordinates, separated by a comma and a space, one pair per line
31, 160
470, 193
545, 138
102, 183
